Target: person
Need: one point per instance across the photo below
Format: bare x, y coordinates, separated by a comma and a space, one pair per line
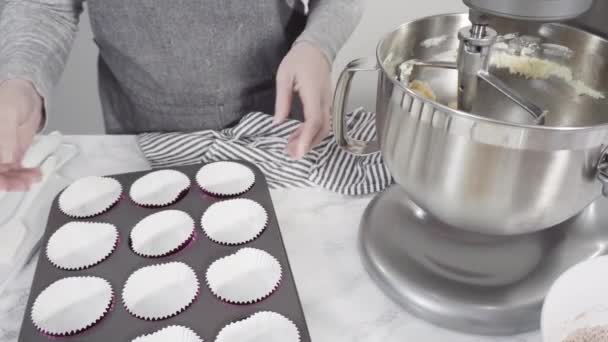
173, 65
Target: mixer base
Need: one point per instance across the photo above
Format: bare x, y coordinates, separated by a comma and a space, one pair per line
490, 285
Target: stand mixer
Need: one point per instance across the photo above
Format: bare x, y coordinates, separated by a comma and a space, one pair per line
496, 198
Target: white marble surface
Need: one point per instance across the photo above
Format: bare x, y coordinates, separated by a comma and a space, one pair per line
341, 303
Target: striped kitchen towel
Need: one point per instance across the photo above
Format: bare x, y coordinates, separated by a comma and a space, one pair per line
256, 139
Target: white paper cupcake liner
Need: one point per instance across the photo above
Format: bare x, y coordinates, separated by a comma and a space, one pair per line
248, 276
79, 245
263, 326
160, 291
159, 188
162, 233
90, 196
71, 305
225, 178
173, 333
234, 222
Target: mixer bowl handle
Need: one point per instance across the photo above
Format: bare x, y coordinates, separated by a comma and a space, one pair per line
602, 174
357, 147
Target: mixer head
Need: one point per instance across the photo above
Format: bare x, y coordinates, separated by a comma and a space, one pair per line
535, 10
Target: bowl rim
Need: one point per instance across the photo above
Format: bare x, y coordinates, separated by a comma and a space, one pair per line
474, 117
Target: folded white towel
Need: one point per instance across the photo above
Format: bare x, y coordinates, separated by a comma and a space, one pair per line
42, 148
20, 231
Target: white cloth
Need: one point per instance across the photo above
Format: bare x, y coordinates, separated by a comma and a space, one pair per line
20, 233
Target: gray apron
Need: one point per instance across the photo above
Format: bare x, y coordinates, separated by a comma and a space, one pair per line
185, 65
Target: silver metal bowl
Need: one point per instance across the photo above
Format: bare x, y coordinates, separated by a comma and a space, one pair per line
488, 172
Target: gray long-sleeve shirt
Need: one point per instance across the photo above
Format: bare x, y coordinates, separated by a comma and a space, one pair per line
171, 65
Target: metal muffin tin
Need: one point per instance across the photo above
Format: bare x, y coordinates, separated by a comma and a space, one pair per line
208, 314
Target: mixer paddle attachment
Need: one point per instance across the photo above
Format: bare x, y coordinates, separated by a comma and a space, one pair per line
472, 65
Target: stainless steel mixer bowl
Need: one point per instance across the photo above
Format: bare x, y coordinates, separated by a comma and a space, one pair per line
492, 172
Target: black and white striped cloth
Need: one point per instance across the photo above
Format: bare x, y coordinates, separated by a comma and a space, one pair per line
256, 139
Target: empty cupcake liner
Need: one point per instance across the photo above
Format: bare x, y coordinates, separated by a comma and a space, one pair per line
79, 245
225, 178
234, 222
71, 305
159, 188
262, 326
162, 233
245, 277
90, 196
173, 333
160, 291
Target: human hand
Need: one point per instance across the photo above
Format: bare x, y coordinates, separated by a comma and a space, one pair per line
305, 70
20, 117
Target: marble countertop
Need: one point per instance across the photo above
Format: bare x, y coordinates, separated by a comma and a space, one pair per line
341, 303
